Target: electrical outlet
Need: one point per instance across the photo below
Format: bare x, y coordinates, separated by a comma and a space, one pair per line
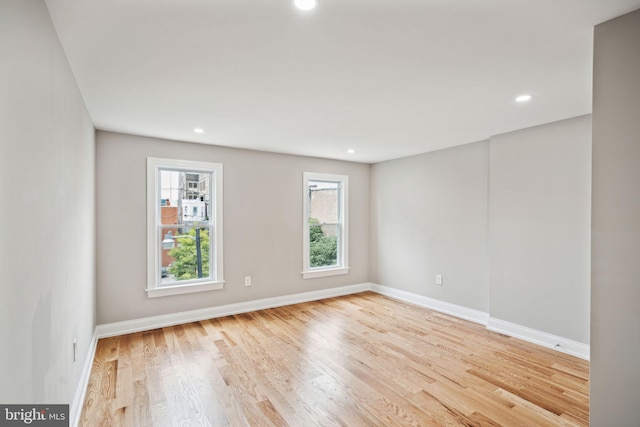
439, 279
247, 280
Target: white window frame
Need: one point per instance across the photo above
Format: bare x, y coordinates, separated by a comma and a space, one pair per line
342, 266
216, 279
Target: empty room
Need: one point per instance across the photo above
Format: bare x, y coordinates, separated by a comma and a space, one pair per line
320, 212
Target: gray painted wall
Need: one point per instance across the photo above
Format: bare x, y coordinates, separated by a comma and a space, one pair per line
428, 217
47, 267
507, 223
615, 277
539, 227
262, 225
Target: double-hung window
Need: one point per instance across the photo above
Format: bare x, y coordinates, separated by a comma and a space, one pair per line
184, 227
325, 220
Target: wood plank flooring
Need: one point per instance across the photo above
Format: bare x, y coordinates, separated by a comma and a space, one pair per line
358, 360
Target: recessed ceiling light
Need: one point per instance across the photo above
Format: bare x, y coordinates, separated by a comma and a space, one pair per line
523, 98
305, 4
198, 130
351, 151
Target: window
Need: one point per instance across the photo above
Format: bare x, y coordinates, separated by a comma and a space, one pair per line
184, 233
325, 222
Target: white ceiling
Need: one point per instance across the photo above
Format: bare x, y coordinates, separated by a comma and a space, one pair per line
387, 78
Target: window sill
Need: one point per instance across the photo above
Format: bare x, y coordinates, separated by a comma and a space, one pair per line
311, 274
184, 289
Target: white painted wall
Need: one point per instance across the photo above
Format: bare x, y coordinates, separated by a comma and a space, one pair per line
615, 280
47, 273
262, 220
539, 227
428, 217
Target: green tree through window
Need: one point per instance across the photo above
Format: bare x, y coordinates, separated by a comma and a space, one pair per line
185, 266
323, 250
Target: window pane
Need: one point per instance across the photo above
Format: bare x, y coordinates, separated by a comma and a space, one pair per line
323, 245
184, 197
184, 226
184, 254
323, 202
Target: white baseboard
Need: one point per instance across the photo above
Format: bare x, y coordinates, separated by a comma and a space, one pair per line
524, 333
148, 323
534, 336
75, 411
544, 339
459, 311
120, 328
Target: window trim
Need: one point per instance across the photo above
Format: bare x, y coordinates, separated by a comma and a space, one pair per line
343, 250
154, 289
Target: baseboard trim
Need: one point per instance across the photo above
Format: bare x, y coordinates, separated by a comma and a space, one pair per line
459, 311
524, 333
511, 329
75, 411
543, 339
148, 323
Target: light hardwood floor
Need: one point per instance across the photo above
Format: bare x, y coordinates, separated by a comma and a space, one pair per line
359, 360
